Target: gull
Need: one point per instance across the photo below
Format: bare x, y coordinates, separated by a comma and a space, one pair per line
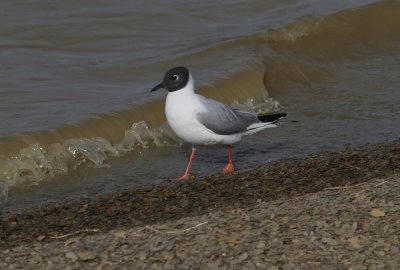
202, 121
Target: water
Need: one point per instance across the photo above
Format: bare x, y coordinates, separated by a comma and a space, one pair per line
77, 118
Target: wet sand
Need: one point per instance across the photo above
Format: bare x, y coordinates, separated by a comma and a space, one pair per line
319, 209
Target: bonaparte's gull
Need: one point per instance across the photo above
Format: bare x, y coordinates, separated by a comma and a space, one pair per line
202, 121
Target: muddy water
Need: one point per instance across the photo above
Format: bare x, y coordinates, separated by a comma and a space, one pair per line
77, 117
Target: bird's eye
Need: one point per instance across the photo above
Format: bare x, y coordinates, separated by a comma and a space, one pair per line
175, 77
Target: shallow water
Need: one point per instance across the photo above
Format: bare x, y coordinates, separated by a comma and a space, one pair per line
75, 77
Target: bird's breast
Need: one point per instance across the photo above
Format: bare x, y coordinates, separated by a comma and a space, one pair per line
180, 112
181, 116
179, 109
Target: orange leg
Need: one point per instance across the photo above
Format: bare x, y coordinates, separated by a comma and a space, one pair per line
229, 167
187, 172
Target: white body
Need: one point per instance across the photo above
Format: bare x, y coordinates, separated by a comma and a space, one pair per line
181, 108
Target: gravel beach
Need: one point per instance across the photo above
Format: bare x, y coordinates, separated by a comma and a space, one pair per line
331, 210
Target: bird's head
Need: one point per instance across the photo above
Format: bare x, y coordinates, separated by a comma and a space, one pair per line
174, 79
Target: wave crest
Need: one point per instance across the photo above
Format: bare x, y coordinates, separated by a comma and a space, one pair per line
35, 163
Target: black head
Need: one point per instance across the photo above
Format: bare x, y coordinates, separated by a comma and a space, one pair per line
175, 79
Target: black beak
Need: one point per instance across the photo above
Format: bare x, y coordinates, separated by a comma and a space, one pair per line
161, 85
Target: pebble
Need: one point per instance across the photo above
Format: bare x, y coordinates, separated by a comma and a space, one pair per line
86, 255
120, 234
71, 255
240, 258
376, 212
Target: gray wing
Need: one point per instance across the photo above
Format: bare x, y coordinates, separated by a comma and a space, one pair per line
224, 120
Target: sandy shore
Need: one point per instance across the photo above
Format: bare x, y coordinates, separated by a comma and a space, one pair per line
329, 210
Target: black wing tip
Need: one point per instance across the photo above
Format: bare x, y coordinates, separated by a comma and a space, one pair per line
271, 117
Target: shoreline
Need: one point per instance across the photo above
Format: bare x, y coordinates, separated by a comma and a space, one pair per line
132, 207
351, 227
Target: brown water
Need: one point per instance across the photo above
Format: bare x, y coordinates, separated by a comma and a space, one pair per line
76, 115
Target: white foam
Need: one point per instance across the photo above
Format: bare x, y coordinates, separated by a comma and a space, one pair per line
3, 192
303, 27
267, 106
34, 163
